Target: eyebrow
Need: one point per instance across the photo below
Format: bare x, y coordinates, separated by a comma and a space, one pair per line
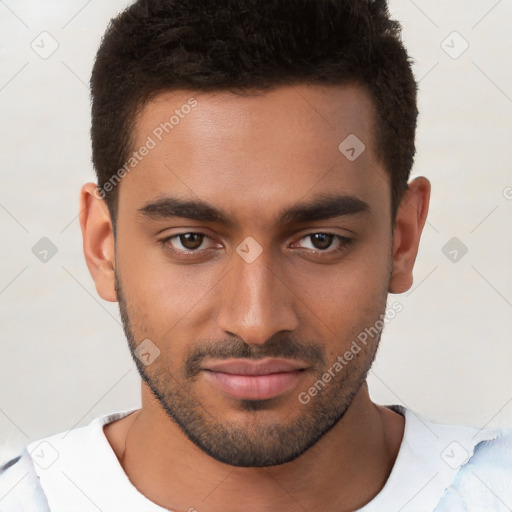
320, 207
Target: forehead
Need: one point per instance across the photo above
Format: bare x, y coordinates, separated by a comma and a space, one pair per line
247, 153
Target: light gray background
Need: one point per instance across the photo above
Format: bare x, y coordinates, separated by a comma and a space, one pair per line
447, 355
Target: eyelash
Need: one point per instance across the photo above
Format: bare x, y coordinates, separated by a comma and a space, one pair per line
190, 254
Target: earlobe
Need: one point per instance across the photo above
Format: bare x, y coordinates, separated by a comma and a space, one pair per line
98, 241
410, 219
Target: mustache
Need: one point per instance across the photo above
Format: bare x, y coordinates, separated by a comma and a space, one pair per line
312, 353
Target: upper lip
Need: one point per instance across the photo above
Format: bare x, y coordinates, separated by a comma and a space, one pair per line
261, 367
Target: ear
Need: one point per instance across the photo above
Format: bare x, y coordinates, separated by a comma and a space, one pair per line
410, 219
98, 240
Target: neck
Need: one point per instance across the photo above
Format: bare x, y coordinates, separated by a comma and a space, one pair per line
343, 471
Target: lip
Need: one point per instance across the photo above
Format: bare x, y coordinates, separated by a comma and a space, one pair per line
254, 380
261, 367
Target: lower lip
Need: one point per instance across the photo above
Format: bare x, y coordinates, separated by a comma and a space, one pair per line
254, 387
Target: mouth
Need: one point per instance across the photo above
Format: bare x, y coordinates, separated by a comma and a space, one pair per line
254, 380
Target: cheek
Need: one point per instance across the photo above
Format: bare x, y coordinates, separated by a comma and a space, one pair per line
163, 298
353, 288
348, 298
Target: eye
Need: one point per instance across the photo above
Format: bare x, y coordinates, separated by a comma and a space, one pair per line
186, 244
321, 242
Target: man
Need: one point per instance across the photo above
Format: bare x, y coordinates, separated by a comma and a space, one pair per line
251, 215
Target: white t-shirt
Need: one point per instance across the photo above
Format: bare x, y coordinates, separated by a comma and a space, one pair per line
439, 468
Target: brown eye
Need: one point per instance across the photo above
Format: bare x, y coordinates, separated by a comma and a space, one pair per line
325, 244
191, 241
321, 241
185, 244
189, 245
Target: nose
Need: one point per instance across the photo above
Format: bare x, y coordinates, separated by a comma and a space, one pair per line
256, 300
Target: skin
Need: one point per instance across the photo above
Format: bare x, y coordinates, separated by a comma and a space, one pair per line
252, 156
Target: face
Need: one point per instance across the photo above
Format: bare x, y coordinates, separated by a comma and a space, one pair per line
212, 271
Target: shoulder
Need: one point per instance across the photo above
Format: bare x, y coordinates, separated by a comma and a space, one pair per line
484, 482
492, 461
34, 478
20, 489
